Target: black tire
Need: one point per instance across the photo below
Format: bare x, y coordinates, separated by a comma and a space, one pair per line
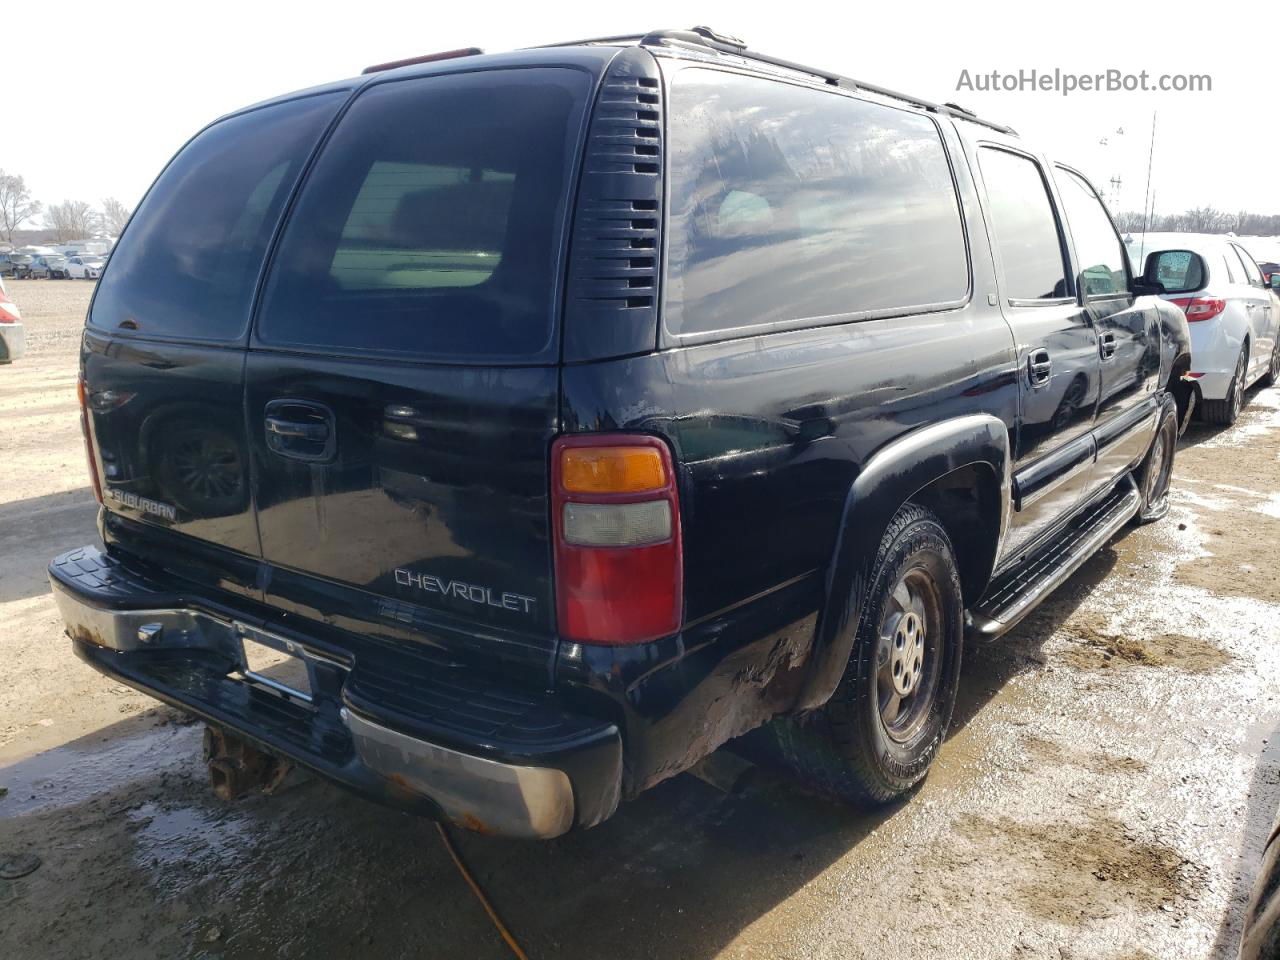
1272, 376
1226, 412
1156, 471
847, 749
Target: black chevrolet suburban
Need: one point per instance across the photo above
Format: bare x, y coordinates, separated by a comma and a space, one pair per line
498, 435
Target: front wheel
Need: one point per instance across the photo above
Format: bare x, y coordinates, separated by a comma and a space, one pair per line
1156, 471
874, 740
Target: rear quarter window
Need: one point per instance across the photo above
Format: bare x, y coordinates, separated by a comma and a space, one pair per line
790, 205
432, 223
188, 262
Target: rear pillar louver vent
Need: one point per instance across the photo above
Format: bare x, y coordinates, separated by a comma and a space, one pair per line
611, 304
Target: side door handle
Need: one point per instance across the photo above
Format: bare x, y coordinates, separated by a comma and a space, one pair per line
1039, 368
1107, 344
300, 430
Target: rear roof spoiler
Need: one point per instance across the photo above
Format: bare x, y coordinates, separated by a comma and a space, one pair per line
425, 58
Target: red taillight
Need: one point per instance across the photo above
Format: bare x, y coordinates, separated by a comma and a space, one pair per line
1200, 308
88, 438
615, 518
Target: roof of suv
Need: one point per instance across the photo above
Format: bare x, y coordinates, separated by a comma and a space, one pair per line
698, 42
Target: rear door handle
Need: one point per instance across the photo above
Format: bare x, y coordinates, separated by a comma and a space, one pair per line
1039, 368
1107, 345
303, 431
300, 430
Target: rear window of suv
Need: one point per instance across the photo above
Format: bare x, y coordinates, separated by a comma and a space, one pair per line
432, 222
791, 206
188, 262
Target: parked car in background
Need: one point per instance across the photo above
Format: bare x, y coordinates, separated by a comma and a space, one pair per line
622, 457
1233, 313
1269, 268
12, 333
49, 267
18, 264
85, 267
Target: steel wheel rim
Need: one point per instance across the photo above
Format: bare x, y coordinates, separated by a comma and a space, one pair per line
908, 660
1275, 362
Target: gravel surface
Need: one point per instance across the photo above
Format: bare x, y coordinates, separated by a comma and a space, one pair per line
1105, 792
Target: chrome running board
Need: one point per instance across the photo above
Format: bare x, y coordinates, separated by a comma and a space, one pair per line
1014, 594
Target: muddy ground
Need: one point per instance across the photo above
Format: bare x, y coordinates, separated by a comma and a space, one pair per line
1105, 792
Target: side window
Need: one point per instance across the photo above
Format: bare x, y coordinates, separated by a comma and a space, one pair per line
1102, 259
188, 263
791, 205
1251, 270
432, 222
1025, 226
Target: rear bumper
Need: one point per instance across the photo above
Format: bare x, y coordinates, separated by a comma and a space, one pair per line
1215, 349
499, 761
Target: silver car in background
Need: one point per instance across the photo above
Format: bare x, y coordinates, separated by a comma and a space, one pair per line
85, 266
1232, 310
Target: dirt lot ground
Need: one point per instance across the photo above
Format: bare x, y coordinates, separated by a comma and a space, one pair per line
1105, 792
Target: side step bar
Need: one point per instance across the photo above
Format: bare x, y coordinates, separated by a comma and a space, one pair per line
1014, 594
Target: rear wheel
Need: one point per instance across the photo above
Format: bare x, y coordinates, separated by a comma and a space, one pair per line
876, 737
1225, 412
1157, 469
1272, 376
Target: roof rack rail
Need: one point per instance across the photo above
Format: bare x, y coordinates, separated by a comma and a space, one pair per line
706, 37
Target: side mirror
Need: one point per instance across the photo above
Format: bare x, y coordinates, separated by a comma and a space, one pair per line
1274, 280
1142, 287
1175, 271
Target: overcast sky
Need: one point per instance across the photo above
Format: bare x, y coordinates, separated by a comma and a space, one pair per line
96, 108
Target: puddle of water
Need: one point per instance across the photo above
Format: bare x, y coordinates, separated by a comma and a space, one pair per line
180, 835
77, 771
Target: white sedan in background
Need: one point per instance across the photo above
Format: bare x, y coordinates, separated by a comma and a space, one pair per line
12, 333
85, 266
1233, 313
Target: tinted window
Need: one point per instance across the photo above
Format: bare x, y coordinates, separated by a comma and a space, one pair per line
791, 204
432, 221
1025, 228
1102, 270
188, 262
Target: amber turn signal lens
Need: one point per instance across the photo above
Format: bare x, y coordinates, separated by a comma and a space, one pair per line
611, 470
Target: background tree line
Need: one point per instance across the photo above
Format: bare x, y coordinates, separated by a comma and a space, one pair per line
1203, 220
68, 220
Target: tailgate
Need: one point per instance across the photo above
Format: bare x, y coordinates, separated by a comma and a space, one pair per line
403, 374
